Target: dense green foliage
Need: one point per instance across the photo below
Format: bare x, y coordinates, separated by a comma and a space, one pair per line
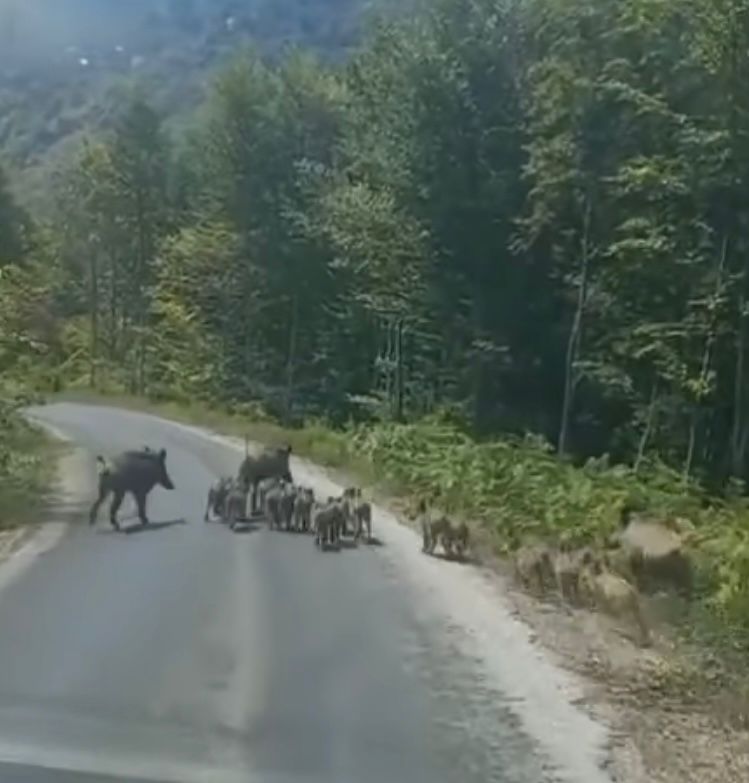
542, 195
12, 225
527, 217
23, 338
25, 467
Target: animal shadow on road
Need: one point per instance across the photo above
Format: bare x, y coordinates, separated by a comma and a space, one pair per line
244, 527
352, 543
464, 559
152, 527
372, 541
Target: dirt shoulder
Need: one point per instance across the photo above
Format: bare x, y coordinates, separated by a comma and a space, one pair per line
654, 699
12, 540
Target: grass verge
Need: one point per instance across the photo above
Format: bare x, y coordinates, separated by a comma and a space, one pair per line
27, 465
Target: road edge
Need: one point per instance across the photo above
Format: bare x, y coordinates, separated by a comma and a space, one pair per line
37, 539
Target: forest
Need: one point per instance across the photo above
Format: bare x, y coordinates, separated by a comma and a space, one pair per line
502, 247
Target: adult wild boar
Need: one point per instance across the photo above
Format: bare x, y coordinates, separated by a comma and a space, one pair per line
271, 463
137, 472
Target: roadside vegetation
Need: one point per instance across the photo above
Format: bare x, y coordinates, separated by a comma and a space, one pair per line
27, 463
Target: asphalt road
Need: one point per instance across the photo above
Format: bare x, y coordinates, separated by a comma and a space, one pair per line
186, 653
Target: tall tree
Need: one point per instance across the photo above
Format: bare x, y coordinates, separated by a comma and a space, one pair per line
13, 225
139, 161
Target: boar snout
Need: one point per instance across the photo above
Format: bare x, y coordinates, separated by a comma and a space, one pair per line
164, 479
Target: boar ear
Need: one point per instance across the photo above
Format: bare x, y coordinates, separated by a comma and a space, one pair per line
162, 455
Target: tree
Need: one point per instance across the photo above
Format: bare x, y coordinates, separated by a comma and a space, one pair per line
14, 225
139, 164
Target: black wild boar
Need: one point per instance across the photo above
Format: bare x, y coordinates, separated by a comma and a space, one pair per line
137, 472
270, 463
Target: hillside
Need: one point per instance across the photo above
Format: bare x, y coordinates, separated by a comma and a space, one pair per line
65, 63
41, 32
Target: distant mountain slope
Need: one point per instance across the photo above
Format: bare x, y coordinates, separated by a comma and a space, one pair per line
40, 31
62, 61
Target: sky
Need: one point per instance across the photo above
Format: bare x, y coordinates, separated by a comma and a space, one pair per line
46, 27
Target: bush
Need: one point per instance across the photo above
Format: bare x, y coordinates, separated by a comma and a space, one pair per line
517, 489
23, 472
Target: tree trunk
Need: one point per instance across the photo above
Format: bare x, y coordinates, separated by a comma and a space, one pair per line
94, 313
573, 344
742, 447
649, 426
388, 375
142, 349
291, 356
247, 322
737, 453
399, 372
139, 285
706, 360
690, 446
113, 310
246, 353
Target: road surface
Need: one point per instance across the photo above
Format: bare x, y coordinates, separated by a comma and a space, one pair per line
187, 653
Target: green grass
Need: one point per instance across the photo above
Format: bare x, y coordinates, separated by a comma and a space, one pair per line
27, 465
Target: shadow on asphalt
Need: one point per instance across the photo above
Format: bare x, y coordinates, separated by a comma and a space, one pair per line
243, 528
465, 559
327, 547
152, 527
292, 531
352, 543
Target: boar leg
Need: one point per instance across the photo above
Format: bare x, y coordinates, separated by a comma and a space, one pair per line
103, 492
115, 507
140, 499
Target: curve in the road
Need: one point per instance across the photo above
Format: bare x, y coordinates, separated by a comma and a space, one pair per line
188, 653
